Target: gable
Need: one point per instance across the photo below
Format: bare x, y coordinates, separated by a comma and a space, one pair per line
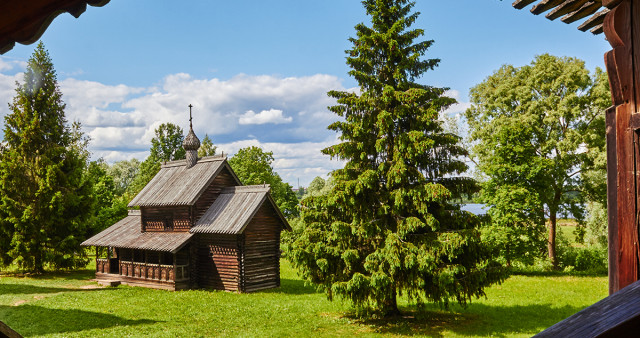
234, 209
175, 184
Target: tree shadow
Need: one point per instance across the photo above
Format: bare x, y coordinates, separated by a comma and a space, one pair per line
476, 320
81, 274
22, 289
292, 287
30, 320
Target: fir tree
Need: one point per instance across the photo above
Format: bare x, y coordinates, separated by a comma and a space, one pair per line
45, 201
386, 228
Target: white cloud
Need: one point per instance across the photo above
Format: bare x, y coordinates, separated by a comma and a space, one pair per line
458, 108
266, 116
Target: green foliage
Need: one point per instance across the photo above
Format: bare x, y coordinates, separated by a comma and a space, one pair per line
45, 199
123, 173
148, 169
316, 186
596, 227
109, 207
386, 227
253, 166
530, 126
206, 147
167, 144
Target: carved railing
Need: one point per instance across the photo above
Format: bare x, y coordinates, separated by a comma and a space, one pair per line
102, 265
158, 272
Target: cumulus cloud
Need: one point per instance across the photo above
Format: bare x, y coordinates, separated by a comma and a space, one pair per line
291, 122
120, 119
458, 108
273, 116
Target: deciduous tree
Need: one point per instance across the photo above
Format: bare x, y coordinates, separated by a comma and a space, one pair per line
386, 226
253, 166
206, 147
539, 134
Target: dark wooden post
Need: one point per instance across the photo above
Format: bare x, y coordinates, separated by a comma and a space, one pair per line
621, 27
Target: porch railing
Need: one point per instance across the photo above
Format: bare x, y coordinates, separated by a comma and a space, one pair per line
160, 272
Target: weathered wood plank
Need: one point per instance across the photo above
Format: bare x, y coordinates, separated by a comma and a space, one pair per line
594, 21
520, 4
545, 5
606, 318
587, 9
566, 7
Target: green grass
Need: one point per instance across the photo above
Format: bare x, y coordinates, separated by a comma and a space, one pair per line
68, 304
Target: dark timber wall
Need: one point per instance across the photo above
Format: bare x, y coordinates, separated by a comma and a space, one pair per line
261, 258
174, 218
218, 264
223, 180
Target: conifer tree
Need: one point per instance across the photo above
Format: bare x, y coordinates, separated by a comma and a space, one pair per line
386, 228
45, 201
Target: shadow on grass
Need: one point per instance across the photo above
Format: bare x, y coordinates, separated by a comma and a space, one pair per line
22, 289
476, 320
292, 287
82, 274
30, 320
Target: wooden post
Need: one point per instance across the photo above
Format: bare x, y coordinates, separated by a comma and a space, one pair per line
622, 29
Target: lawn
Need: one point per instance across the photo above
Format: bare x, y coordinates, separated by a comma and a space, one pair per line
68, 304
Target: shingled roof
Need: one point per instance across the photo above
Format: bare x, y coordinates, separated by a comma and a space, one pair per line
233, 210
175, 184
127, 234
569, 11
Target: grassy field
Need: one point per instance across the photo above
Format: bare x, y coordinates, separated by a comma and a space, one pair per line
68, 304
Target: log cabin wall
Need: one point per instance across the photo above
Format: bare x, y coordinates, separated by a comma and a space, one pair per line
222, 180
261, 256
171, 218
218, 264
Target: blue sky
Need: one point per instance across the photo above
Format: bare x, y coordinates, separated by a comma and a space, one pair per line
257, 72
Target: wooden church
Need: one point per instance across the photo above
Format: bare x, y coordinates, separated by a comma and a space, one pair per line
196, 227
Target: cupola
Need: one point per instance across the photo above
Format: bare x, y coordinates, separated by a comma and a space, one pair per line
191, 143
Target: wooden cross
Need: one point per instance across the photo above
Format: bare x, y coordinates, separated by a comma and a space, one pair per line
190, 117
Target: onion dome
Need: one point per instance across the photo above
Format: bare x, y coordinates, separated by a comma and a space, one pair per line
191, 142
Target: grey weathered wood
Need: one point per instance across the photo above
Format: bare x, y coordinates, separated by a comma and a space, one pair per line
587, 9
520, 4
615, 316
593, 21
566, 7
545, 5
126, 234
6, 331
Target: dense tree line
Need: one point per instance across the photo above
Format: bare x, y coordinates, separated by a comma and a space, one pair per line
52, 197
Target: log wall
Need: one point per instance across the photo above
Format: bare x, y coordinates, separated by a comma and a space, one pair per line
172, 218
261, 256
222, 180
218, 264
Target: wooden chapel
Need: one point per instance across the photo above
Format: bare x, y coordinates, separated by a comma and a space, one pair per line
197, 226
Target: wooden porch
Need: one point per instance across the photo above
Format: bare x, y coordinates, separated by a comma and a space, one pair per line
161, 270
160, 276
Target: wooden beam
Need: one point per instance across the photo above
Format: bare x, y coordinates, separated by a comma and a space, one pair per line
565, 8
599, 29
584, 11
545, 5
618, 26
611, 3
520, 4
595, 20
612, 197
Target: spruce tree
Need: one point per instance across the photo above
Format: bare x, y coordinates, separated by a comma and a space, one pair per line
387, 227
45, 201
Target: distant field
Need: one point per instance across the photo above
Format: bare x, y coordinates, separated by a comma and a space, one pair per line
67, 304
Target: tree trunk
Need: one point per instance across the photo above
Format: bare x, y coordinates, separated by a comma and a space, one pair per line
391, 304
552, 239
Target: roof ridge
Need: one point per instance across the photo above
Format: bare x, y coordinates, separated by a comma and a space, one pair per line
246, 188
183, 162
